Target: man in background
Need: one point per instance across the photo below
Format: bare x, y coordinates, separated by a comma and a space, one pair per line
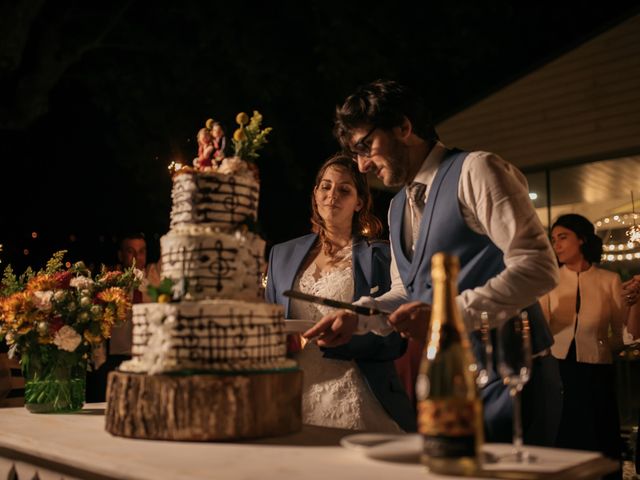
132, 251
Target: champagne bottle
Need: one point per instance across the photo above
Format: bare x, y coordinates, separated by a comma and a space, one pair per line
449, 405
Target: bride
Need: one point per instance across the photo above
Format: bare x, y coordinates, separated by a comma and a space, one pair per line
354, 386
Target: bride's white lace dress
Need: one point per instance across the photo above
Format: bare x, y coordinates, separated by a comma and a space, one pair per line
335, 393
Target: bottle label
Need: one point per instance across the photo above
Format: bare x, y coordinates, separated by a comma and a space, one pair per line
449, 427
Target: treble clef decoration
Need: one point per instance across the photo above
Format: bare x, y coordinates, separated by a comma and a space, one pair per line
231, 202
219, 266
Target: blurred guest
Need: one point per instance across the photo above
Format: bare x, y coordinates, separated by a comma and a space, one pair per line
586, 314
132, 251
631, 293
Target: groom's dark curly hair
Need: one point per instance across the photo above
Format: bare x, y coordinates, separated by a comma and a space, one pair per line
383, 104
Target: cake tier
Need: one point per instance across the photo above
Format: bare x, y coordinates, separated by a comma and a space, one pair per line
214, 198
214, 264
210, 335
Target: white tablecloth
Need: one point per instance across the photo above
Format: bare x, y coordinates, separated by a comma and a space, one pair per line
77, 446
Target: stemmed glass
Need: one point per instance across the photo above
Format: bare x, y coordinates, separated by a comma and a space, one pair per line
485, 353
514, 366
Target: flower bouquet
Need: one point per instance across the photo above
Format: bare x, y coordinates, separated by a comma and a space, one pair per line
52, 318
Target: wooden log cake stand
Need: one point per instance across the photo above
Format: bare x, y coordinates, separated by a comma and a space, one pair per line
204, 407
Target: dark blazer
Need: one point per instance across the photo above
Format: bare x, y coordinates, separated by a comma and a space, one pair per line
374, 354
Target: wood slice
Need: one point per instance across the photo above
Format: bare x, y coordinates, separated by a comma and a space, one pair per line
204, 407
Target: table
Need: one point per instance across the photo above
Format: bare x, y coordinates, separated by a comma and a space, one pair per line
77, 446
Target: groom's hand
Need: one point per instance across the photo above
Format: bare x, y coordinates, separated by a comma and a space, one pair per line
411, 320
334, 329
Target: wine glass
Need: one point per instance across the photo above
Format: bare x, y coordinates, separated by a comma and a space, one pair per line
514, 366
484, 355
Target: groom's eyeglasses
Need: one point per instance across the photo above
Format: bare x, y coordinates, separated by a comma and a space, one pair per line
362, 147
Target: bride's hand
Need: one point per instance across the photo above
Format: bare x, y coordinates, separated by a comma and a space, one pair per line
334, 329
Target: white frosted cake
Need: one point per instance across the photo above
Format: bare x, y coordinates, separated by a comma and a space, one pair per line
209, 358
224, 335
223, 198
221, 322
215, 264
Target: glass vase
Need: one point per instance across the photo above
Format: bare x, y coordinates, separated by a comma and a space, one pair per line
55, 380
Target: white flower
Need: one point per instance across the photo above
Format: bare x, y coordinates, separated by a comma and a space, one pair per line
139, 274
85, 301
232, 165
42, 300
59, 295
81, 282
67, 339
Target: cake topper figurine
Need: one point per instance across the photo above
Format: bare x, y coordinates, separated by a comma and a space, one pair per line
219, 142
205, 148
247, 140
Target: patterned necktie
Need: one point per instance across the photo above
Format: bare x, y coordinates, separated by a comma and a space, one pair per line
415, 193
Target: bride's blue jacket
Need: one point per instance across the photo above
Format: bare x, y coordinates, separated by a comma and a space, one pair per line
374, 354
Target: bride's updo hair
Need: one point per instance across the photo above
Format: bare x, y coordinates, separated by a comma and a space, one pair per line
365, 223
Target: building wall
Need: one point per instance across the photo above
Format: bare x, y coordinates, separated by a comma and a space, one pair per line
583, 106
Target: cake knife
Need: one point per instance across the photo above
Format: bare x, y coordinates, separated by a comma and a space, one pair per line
361, 309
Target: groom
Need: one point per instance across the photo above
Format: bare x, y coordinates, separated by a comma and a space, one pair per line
474, 205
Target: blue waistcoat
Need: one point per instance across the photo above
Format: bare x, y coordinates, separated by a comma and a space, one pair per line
443, 229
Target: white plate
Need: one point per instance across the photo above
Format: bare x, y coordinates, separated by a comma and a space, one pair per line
405, 448
297, 326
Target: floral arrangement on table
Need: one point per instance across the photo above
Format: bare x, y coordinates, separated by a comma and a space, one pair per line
53, 318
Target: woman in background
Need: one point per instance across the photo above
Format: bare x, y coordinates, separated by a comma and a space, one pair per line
586, 314
354, 386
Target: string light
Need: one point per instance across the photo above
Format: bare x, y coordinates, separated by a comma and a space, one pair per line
619, 248
623, 219
620, 258
634, 232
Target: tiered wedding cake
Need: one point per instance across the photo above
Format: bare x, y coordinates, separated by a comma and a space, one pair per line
211, 365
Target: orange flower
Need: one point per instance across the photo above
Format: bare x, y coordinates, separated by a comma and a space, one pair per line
42, 282
14, 308
120, 302
111, 278
112, 294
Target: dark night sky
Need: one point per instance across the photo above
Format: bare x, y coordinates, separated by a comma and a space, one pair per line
96, 101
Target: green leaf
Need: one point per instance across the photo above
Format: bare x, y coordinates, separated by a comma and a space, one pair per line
163, 288
55, 262
10, 283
